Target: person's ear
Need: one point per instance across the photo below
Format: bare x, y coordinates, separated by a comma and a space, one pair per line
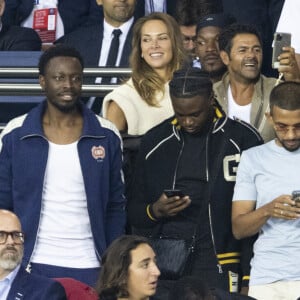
225, 57
42, 82
269, 118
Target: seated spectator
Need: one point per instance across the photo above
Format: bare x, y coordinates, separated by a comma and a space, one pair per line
243, 91
107, 43
143, 101
128, 270
71, 14
15, 282
188, 12
207, 48
197, 151
15, 38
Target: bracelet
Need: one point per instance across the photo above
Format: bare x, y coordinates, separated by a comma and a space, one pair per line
150, 212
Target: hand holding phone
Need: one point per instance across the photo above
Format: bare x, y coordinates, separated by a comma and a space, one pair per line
173, 193
281, 39
170, 206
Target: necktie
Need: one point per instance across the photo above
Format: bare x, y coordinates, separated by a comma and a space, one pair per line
113, 53
111, 62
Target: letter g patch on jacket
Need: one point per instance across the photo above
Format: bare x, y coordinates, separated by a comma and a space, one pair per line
98, 152
230, 164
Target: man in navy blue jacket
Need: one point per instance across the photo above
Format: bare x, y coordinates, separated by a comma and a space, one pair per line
15, 282
60, 168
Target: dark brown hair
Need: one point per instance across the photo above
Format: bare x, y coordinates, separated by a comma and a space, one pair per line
112, 282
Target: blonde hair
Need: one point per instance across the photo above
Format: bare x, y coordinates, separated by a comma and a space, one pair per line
146, 81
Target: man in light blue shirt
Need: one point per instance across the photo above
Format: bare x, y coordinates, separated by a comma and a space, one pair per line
15, 282
263, 202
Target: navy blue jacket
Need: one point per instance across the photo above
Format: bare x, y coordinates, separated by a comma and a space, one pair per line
16, 38
88, 41
23, 160
34, 287
74, 13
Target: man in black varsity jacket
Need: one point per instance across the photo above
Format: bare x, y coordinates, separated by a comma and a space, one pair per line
197, 151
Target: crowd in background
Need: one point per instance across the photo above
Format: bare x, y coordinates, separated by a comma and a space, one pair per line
204, 115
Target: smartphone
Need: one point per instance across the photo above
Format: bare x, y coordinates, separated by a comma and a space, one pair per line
296, 195
281, 39
173, 193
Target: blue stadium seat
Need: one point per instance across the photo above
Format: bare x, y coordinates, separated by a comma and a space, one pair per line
12, 106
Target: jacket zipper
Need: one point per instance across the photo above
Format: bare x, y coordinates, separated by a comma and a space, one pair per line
209, 210
213, 240
28, 266
177, 163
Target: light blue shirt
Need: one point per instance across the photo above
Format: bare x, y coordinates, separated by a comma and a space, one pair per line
264, 173
6, 283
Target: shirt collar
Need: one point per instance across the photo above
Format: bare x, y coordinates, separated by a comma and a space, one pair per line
12, 275
108, 29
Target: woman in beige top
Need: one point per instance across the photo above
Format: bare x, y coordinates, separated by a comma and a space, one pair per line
143, 101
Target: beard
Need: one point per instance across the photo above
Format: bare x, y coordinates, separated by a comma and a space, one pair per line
286, 146
9, 261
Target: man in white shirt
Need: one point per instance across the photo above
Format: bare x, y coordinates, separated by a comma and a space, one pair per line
15, 282
93, 42
243, 91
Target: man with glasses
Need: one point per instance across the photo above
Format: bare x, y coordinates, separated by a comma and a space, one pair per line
15, 282
265, 200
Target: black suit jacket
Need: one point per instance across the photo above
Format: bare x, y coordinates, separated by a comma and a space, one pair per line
88, 41
34, 287
15, 38
74, 13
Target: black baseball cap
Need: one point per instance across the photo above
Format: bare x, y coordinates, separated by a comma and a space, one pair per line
218, 20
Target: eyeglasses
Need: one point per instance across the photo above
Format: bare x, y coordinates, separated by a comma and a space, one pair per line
188, 39
284, 129
17, 237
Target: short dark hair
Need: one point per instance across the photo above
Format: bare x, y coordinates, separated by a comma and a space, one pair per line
112, 282
187, 83
56, 51
285, 95
190, 288
228, 33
